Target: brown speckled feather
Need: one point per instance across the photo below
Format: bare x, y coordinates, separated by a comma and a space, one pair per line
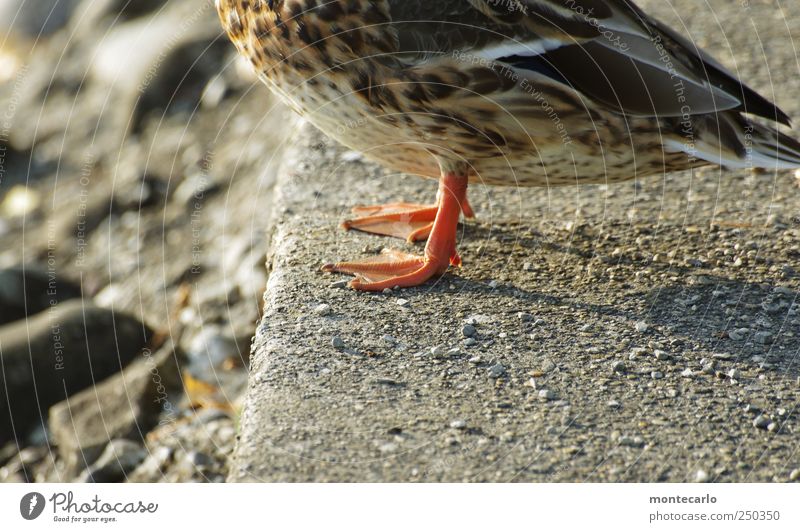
526, 92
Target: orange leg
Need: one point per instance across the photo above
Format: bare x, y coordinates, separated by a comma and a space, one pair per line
410, 221
396, 268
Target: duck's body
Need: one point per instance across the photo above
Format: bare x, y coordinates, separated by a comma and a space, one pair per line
512, 92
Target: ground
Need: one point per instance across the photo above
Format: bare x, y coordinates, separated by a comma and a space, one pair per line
645, 332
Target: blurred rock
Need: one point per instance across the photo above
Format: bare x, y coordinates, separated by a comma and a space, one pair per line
99, 14
211, 347
119, 458
124, 406
69, 230
222, 294
153, 467
33, 19
110, 295
194, 190
214, 92
251, 276
20, 202
7, 452
57, 353
194, 451
145, 191
162, 61
30, 289
21, 466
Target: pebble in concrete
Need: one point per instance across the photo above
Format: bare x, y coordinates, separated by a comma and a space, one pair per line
761, 422
323, 309
547, 395
496, 371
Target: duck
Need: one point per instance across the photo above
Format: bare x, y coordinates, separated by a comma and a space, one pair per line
519, 93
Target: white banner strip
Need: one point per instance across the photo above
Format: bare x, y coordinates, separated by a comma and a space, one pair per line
401, 507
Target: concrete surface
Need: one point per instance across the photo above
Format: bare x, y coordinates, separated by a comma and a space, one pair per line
641, 332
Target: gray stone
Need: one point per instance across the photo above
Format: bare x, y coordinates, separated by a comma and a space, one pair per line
631, 441
198, 459
21, 466
497, 371
214, 92
763, 337
211, 347
547, 395
761, 422
323, 309
122, 407
35, 19
59, 352
119, 458
738, 335
153, 466
28, 290
439, 351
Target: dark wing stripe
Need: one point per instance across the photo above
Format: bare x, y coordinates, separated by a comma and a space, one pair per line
752, 102
536, 63
647, 68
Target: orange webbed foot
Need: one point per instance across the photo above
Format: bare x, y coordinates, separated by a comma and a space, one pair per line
392, 269
395, 268
410, 221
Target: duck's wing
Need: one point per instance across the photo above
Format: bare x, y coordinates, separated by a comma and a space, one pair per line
609, 50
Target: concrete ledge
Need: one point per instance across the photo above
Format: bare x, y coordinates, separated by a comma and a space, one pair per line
641, 332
